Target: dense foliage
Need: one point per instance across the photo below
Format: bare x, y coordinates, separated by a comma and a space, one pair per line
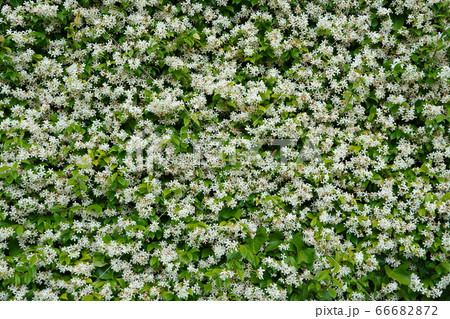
224, 150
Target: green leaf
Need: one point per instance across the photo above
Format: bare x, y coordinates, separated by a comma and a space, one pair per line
57, 208
259, 239
424, 168
245, 251
376, 176
273, 245
440, 118
306, 256
446, 266
323, 275
241, 274
332, 292
297, 240
372, 113
397, 21
17, 279
33, 259
95, 207
227, 213
122, 181
429, 197
355, 148
153, 261
19, 230
400, 273
247, 254
14, 247
88, 298
121, 282
99, 263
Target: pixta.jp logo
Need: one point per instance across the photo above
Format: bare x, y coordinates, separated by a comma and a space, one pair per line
143, 151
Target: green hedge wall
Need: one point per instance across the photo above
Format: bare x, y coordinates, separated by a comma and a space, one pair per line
224, 150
